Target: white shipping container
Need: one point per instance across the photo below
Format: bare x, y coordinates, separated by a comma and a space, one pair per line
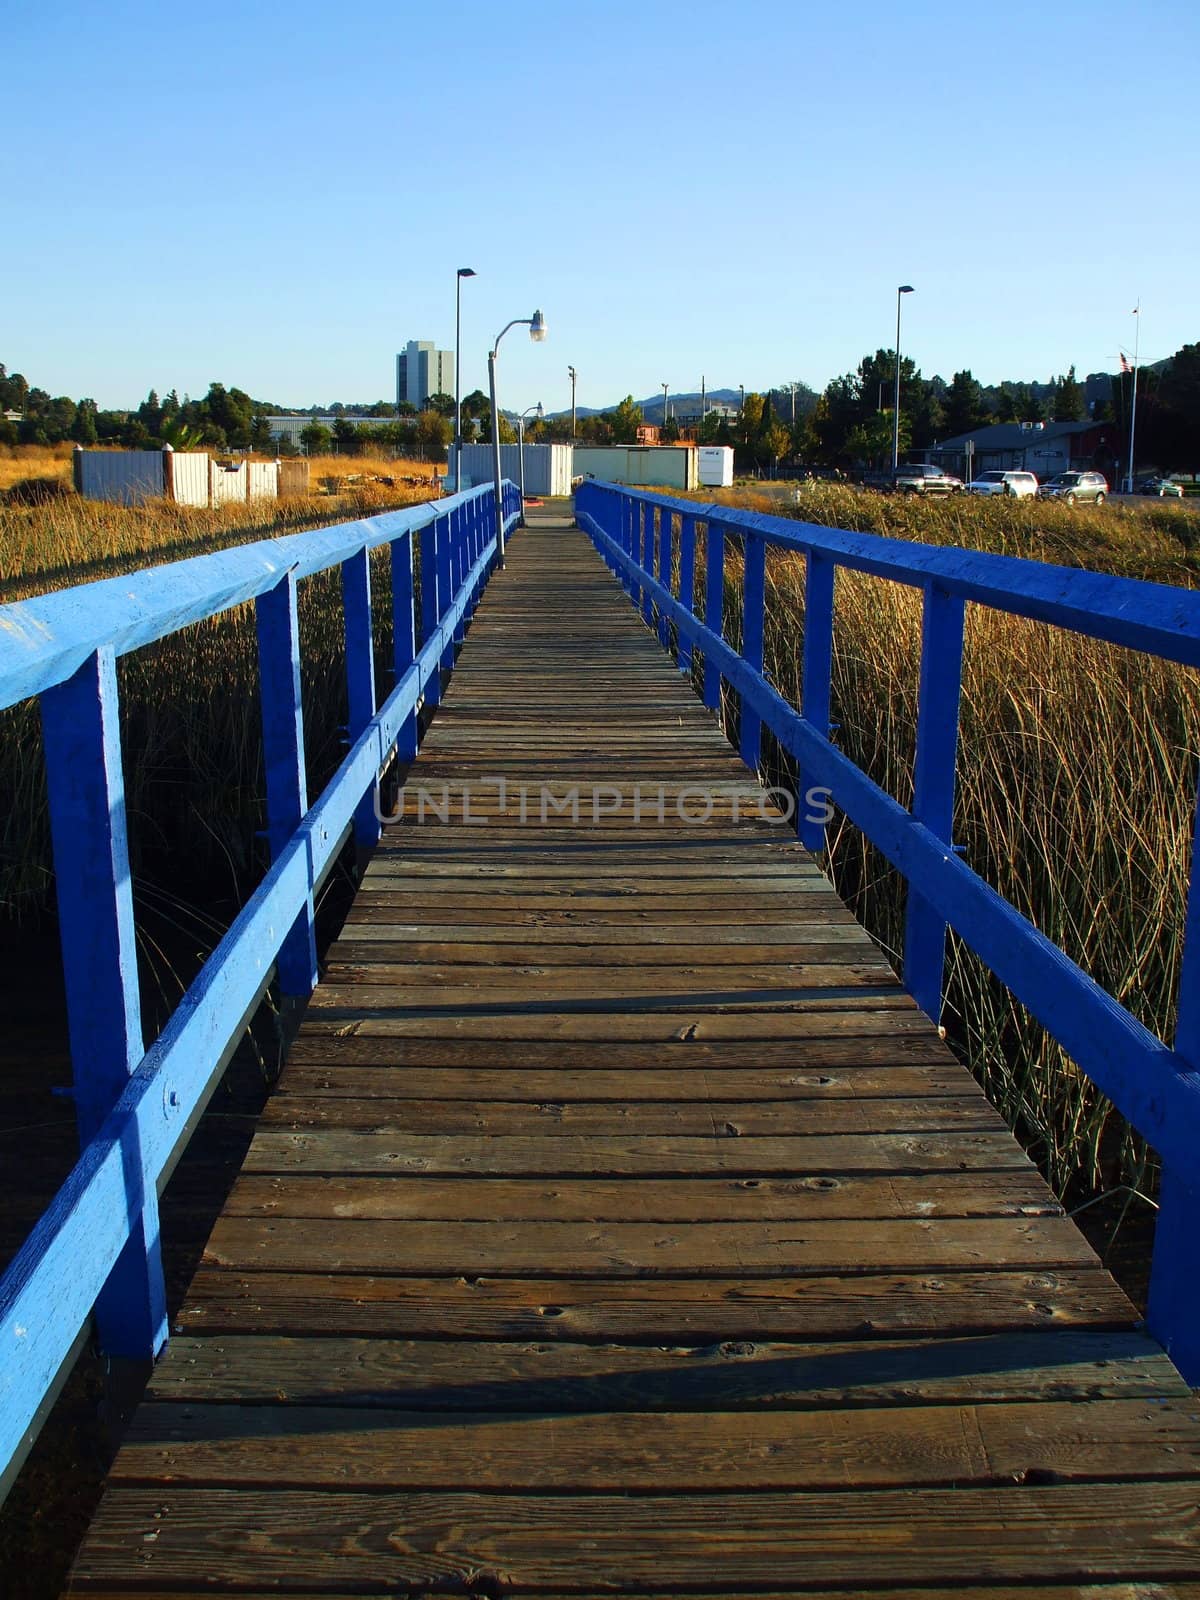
646, 466
548, 467
715, 462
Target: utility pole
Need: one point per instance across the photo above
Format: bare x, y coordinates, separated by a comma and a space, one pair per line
703, 401
741, 398
665, 388
571, 375
793, 406
905, 288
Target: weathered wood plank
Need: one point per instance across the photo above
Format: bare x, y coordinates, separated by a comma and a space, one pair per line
1072, 1532
957, 1194
457, 1375
597, 1155
623, 1249
641, 1119
278, 1446
649, 1310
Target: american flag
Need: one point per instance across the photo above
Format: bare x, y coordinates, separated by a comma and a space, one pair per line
1125, 367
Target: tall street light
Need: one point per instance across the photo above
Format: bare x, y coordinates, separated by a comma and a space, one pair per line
1137, 339
537, 332
571, 373
666, 391
541, 412
905, 288
463, 272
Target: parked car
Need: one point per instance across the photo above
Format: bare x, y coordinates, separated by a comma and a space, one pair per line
1020, 484
918, 478
1076, 486
1164, 488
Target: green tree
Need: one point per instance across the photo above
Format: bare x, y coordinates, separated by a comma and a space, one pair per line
1069, 403
83, 429
316, 439
964, 407
625, 420
434, 433
443, 404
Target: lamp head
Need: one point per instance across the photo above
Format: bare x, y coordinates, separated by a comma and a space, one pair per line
537, 327
905, 288
466, 272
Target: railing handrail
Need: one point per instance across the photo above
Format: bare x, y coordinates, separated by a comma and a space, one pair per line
1155, 1086
1155, 617
96, 1247
45, 638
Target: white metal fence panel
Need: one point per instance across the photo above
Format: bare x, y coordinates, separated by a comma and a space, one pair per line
125, 476
263, 481
228, 484
187, 477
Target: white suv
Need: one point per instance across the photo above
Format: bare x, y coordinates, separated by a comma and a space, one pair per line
1020, 484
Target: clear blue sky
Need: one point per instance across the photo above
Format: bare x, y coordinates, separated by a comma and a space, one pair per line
277, 196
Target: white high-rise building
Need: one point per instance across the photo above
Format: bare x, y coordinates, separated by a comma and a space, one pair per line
423, 370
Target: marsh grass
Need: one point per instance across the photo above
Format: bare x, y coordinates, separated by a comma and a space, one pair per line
189, 713
1077, 777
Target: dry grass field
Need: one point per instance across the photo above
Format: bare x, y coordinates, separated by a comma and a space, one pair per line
1077, 782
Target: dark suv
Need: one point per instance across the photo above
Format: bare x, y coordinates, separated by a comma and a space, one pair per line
1073, 486
917, 478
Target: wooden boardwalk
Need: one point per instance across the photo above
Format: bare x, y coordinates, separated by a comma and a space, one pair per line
619, 1224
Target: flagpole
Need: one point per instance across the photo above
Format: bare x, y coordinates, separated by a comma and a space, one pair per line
1133, 406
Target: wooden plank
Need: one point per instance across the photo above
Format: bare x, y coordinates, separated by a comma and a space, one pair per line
624, 1249
640, 1119
334, 1150
599, 1083
457, 1375
839, 1057
650, 1311
953, 1194
295, 1446
866, 1016
448, 1542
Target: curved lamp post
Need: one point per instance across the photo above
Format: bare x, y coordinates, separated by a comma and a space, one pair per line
905, 288
540, 410
537, 332
463, 272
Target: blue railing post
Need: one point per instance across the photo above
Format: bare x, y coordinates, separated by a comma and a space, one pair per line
360, 681
458, 518
754, 602
933, 783
665, 562
687, 583
404, 641
630, 511
430, 612
82, 739
646, 559
816, 681
445, 579
1173, 1308
714, 606
277, 625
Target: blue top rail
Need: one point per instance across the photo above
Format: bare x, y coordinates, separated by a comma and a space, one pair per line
96, 1248
1154, 1085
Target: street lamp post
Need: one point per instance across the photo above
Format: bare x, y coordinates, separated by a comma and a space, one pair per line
666, 390
905, 288
571, 374
541, 412
537, 332
463, 272
1137, 338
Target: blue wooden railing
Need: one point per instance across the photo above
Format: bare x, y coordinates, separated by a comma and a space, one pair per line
97, 1246
1156, 1087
